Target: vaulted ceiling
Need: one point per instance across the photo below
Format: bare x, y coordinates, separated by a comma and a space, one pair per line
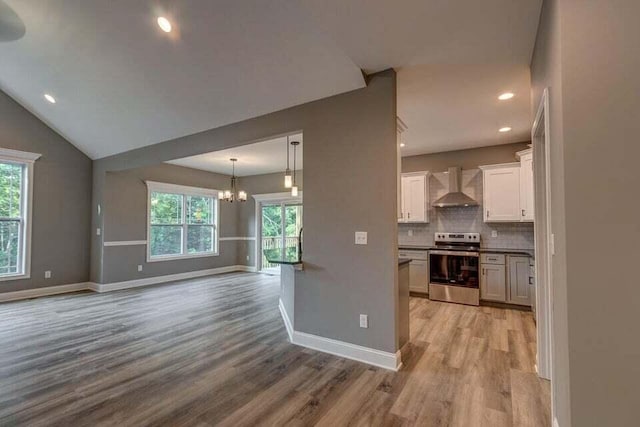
121, 83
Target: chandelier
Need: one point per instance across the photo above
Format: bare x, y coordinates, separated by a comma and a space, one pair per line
233, 194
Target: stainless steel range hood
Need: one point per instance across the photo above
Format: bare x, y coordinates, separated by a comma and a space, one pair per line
455, 197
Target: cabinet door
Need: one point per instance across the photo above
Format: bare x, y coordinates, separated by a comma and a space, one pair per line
416, 206
526, 187
493, 283
519, 272
502, 194
418, 276
414, 198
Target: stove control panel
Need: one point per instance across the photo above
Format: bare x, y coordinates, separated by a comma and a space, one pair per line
458, 237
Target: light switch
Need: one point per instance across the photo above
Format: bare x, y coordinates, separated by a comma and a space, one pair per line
364, 321
361, 237
494, 233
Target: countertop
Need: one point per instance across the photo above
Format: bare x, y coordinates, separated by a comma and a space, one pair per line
275, 256
402, 261
512, 251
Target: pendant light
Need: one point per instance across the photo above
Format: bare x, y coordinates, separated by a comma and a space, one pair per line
288, 179
233, 194
294, 186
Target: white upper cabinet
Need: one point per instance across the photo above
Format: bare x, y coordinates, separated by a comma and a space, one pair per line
501, 189
415, 197
526, 185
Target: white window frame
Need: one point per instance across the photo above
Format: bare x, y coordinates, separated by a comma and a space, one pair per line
27, 160
153, 186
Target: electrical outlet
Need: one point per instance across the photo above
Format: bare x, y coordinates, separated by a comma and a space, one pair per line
47, 274
247, 257
361, 237
494, 233
140, 267
410, 233
364, 321
98, 231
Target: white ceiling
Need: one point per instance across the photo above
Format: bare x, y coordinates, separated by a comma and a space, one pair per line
121, 83
253, 159
453, 107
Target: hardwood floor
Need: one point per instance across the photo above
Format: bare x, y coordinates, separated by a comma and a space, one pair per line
214, 351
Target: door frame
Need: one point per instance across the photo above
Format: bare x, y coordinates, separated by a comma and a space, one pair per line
268, 199
544, 239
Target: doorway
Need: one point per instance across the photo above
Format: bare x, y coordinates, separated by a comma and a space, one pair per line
543, 237
280, 226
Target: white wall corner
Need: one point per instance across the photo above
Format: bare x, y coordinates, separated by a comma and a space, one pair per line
287, 321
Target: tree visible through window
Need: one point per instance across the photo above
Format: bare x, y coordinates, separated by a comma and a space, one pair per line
11, 217
181, 224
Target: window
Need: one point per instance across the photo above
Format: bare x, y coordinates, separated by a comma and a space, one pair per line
16, 175
183, 222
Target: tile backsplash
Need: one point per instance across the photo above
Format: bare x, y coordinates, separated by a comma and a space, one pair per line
465, 219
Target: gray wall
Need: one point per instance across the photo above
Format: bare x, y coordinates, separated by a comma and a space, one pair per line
546, 72
466, 159
125, 218
61, 199
592, 71
350, 185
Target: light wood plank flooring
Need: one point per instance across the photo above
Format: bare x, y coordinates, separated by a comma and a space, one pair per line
213, 351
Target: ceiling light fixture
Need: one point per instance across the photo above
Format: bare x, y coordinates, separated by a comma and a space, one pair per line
288, 179
505, 96
164, 24
504, 129
233, 194
49, 98
294, 187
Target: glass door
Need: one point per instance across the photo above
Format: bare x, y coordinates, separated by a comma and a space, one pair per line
280, 230
271, 236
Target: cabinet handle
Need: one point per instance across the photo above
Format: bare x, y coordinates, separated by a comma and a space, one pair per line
487, 213
409, 215
483, 271
522, 212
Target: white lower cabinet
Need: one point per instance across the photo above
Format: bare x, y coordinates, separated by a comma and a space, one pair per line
418, 270
519, 273
493, 282
505, 279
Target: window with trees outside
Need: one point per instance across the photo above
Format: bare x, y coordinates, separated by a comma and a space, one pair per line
183, 222
16, 175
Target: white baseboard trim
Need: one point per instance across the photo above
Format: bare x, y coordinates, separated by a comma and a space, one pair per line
128, 284
107, 287
287, 321
381, 359
40, 292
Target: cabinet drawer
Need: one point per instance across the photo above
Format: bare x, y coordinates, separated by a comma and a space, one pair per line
498, 259
413, 254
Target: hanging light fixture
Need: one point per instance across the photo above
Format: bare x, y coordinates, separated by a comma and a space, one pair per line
288, 179
294, 186
233, 194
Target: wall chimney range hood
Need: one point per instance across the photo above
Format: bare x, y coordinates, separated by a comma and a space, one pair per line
455, 197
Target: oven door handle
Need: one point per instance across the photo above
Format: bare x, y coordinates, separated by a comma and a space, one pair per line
455, 253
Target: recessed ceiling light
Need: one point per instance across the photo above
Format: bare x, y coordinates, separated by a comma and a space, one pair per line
49, 98
505, 96
164, 24
504, 129
402, 144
